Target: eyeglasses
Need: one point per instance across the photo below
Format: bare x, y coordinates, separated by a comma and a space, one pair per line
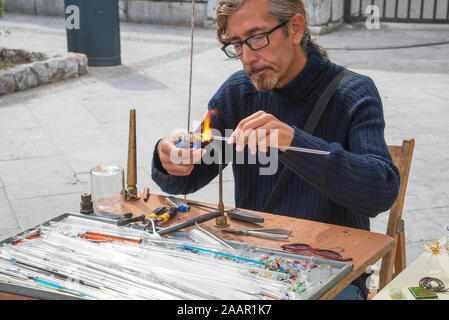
256, 42
328, 254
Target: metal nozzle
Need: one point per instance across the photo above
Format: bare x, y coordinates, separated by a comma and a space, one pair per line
131, 173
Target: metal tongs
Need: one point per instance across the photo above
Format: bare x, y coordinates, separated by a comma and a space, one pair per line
267, 233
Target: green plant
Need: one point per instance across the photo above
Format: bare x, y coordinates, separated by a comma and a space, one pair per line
5, 31
1, 7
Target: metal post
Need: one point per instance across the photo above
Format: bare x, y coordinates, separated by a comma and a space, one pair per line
435, 4
221, 220
422, 9
347, 10
396, 9
409, 8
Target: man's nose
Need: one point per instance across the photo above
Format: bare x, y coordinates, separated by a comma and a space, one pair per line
248, 55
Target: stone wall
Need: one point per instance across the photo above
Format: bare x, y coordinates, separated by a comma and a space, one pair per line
324, 15
141, 11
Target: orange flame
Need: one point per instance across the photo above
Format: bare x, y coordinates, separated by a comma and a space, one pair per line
206, 132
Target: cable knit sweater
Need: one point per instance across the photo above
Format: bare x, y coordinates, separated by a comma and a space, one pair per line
355, 182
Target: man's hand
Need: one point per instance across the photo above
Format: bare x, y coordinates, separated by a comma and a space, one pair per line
177, 162
260, 131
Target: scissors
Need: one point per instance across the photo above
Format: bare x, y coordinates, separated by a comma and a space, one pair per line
267, 233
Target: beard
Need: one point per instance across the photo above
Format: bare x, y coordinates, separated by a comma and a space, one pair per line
265, 81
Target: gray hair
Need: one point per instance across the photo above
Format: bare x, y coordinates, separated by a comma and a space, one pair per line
278, 9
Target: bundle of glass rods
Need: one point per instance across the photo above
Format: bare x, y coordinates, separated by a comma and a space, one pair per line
94, 260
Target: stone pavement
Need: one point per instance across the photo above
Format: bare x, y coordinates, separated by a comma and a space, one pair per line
54, 134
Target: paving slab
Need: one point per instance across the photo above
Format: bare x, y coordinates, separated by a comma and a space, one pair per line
31, 212
26, 143
31, 178
8, 221
17, 117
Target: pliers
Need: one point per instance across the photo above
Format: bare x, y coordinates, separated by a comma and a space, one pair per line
267, 233
162, 213
159, 214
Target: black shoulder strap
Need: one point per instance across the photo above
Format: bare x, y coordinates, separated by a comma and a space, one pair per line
310, 126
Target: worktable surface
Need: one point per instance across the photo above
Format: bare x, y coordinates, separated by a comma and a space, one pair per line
365, 247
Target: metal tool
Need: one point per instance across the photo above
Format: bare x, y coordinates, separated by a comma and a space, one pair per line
107, 215
202, 205
171, 213
298, 149
234, 213
110, 215
131, 173
124, 222
241, 215
164, 215
175, 202
191, 222
160, 210
221, 220
213, 236
267, 233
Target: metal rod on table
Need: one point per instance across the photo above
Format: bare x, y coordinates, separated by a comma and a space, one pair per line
220, 191
191, 222
221, 220
306, 150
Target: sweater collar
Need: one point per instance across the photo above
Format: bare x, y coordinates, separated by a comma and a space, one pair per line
304, 82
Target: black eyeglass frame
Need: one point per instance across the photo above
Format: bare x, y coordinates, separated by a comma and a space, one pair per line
249, 44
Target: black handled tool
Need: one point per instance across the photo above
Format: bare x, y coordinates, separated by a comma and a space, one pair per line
191, 222
162, 215
169, 214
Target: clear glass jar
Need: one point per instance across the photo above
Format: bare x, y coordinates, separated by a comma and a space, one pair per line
107, 188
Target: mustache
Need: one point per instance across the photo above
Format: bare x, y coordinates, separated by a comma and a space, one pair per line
254, 69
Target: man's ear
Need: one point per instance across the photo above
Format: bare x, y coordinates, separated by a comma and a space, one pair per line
297, 28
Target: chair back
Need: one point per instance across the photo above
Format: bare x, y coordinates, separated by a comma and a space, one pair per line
394, 262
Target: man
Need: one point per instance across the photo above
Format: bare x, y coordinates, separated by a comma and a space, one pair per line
285, 72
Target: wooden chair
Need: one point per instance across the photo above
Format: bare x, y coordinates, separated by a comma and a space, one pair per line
394, 262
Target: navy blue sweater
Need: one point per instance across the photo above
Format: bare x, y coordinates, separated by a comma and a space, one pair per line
354, 183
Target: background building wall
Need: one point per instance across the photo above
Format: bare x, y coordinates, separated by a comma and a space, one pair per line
324, 15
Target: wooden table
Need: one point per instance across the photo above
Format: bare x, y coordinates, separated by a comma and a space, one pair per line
421, 267
366, 248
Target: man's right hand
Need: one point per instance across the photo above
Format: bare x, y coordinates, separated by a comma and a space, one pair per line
177, 162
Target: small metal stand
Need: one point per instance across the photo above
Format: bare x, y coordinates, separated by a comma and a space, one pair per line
221, 220
86, 204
